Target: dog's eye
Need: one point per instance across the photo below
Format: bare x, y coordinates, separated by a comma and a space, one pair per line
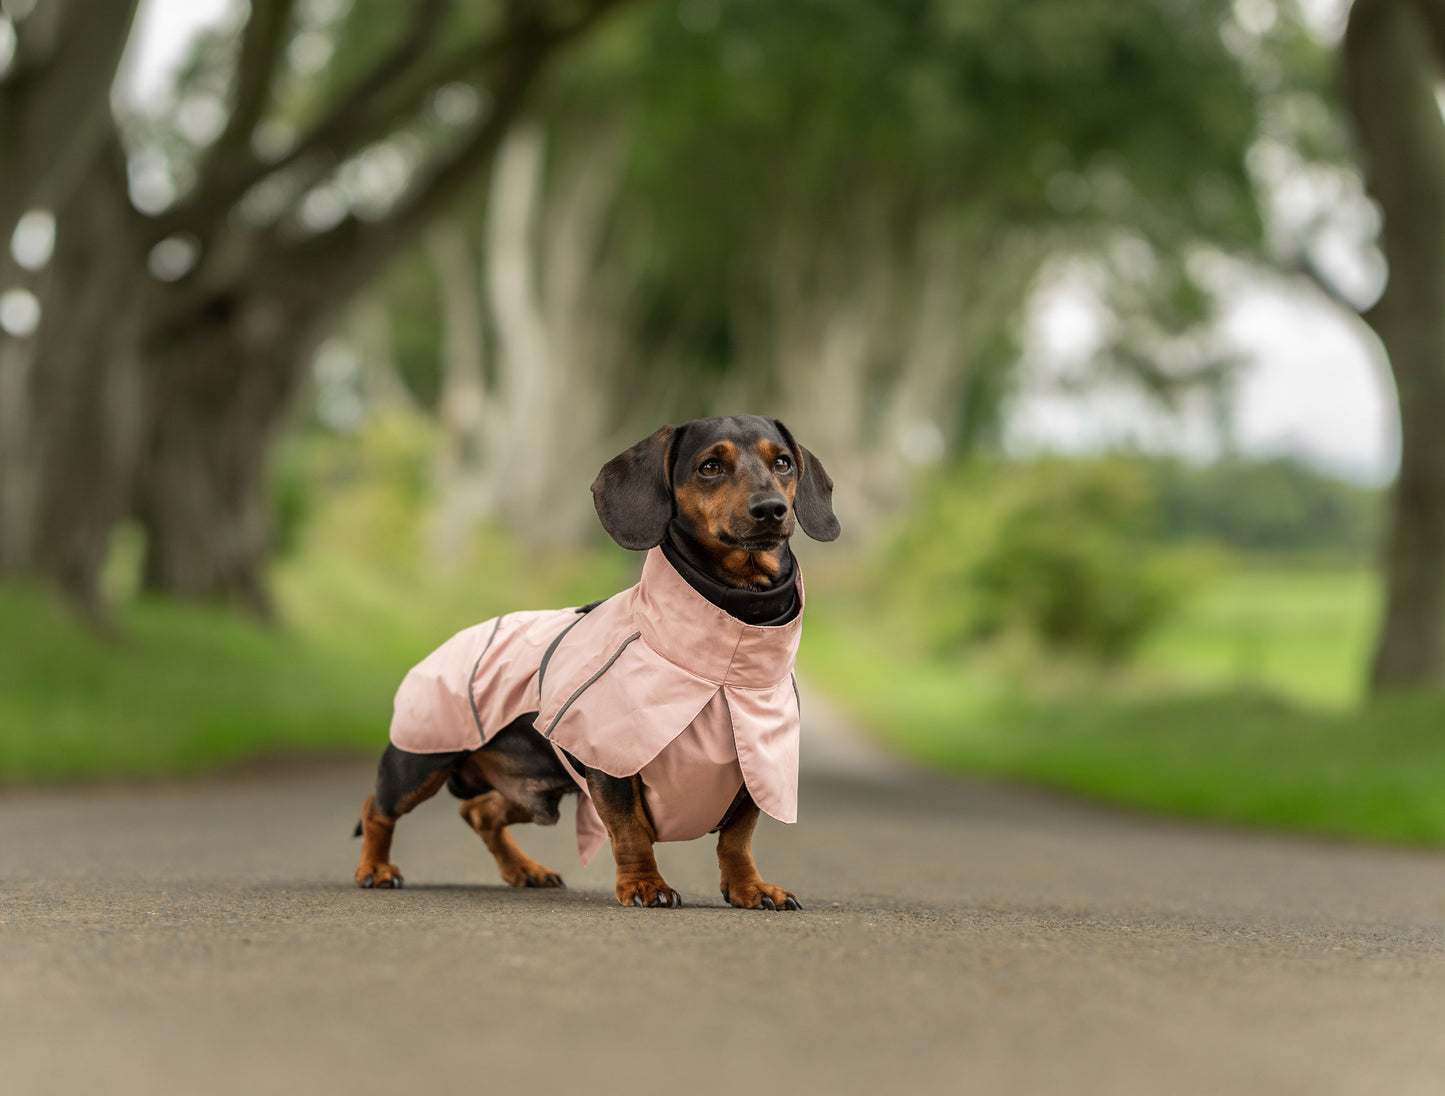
783, 464
710, 467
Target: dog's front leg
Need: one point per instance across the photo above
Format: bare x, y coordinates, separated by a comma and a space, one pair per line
742, 886
619, 803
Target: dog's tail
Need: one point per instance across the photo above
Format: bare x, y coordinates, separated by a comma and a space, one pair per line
357, 832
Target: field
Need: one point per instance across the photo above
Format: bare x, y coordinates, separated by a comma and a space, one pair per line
1245, 708
1300, 632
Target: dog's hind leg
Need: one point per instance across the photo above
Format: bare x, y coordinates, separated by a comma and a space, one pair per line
741, 884
403, 780
490, 814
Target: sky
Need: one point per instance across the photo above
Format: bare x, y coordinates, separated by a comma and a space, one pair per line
1314, 383
162, 31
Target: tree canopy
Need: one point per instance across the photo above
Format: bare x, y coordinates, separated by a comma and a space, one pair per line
833, 209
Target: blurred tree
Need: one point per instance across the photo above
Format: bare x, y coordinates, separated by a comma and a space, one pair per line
871, 191
1062, 551
1394, 55
836, 211
55, 122
1273, 505
829, 208
201, 256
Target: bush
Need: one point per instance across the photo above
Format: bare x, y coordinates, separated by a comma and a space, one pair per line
1071, 564
1059, 550
367, 495
1273, 505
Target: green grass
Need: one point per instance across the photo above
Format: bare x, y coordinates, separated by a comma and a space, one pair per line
1302, 632
184, 690
178, 690
1246, 709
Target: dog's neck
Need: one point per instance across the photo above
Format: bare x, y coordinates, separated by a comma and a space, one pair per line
773, 606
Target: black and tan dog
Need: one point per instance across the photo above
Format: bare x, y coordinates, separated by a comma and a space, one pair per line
719, 499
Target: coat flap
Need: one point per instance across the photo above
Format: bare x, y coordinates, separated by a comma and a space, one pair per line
765, 733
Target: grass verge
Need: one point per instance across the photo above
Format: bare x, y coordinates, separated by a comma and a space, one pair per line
180, 690
1245, 710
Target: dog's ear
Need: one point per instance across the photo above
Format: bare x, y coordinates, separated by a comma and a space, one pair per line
814, 503
633, 492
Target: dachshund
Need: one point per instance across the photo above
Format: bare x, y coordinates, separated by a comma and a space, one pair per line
494, 716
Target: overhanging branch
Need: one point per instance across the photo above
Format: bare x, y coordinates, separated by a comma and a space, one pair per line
315, 275
231, 178
256, 66
353, 251
55, 104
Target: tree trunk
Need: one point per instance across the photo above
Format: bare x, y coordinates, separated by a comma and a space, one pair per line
547, 376
66, 480
1390, 76
219, 396
880, 327
464, 492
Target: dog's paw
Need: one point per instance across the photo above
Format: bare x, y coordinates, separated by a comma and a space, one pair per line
759, 896
530, 874
379, 876
652, 892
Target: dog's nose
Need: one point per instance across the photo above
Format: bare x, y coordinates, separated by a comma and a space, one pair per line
768, 509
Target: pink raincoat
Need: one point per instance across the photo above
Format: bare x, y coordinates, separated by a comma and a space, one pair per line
656, 680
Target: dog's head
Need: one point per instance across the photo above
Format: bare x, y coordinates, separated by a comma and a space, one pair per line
735, 486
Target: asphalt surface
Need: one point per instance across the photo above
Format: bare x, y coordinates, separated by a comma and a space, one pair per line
207, 938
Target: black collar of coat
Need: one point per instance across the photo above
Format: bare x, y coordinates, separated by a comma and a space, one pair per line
766, 607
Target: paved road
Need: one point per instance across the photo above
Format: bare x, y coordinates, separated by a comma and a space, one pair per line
206, 939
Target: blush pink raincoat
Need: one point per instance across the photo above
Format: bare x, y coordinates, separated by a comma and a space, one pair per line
656, 680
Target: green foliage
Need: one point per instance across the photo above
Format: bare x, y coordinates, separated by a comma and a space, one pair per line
1059, 550
292, 498
1070, 563
795, 143
1094, 555
1276, 504
179, 689
412, 298
778, 152
371, 488
815, 101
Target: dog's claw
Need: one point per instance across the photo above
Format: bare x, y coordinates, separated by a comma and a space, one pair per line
397, 881
768, 903
554, 880
725, 895
648, 894
369, 882
792, 904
